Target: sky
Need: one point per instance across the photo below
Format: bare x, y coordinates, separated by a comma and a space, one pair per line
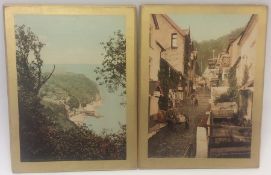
206, 27
72, 39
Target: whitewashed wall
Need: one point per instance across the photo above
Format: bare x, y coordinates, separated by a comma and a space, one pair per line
248, 53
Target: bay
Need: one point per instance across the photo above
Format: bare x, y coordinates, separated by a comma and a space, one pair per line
112, 113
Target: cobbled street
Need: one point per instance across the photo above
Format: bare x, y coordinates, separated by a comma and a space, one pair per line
181, 142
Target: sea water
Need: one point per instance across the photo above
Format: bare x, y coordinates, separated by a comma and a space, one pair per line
112, 113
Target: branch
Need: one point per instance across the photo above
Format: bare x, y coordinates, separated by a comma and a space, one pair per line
46, 79
49, 76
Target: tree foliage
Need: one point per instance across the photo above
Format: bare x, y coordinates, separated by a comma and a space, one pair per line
169, 79
30, 80
112, 73
73, 103
63, 85
187, 54
29, 62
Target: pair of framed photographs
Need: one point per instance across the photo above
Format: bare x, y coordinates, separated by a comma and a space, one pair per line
80, 98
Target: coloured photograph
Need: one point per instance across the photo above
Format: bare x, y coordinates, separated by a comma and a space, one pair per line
71, 79
201, 84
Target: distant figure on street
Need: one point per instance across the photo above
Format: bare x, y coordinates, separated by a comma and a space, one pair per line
172, 98
194, 100
186, 123
192, 96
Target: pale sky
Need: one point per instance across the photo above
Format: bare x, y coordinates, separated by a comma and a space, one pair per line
72, 39
206, 27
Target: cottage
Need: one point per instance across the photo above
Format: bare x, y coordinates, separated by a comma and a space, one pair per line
246, 69
166, 59
166, 41
242, 51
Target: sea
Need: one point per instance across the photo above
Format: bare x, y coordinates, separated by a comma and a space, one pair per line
112, 111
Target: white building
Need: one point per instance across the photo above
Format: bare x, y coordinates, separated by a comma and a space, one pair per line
243, 53
246, 68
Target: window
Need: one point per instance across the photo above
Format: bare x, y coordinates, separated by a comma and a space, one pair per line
174, 40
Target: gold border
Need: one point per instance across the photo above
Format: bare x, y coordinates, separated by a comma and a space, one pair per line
131, 158
143, 160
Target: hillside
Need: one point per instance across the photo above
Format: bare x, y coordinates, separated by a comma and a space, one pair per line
64, 85
67, 91
205, 48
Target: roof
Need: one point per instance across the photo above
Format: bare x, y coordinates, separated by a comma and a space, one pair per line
161, 47
171, 66
232, 41
155, 21
243, 33
246, 30
174, 25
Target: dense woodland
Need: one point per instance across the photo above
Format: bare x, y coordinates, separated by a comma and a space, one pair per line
46, 133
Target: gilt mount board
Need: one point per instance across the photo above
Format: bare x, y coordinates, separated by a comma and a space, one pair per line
201, 85
71, 87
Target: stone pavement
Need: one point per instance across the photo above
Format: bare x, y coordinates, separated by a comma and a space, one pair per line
180, 142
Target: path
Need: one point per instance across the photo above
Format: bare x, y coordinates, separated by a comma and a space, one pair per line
174, 143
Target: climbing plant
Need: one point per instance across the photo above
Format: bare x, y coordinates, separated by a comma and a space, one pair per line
232, 93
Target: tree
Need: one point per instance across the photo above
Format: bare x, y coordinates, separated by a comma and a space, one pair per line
29, 70
112, 73
73, 103
169, 79
30, 79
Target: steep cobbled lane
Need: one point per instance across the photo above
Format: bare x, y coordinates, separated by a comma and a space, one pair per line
169, 142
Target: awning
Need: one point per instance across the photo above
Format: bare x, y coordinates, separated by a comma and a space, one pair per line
171, 66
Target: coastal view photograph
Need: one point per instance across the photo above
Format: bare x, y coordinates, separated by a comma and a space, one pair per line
201, 84
71, 79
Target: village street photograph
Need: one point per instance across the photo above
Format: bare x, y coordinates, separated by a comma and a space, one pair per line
201, 85
71, 79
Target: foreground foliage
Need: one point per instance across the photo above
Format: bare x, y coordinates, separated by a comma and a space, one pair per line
112, 73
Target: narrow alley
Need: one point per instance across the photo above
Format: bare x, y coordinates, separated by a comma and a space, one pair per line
181, 142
